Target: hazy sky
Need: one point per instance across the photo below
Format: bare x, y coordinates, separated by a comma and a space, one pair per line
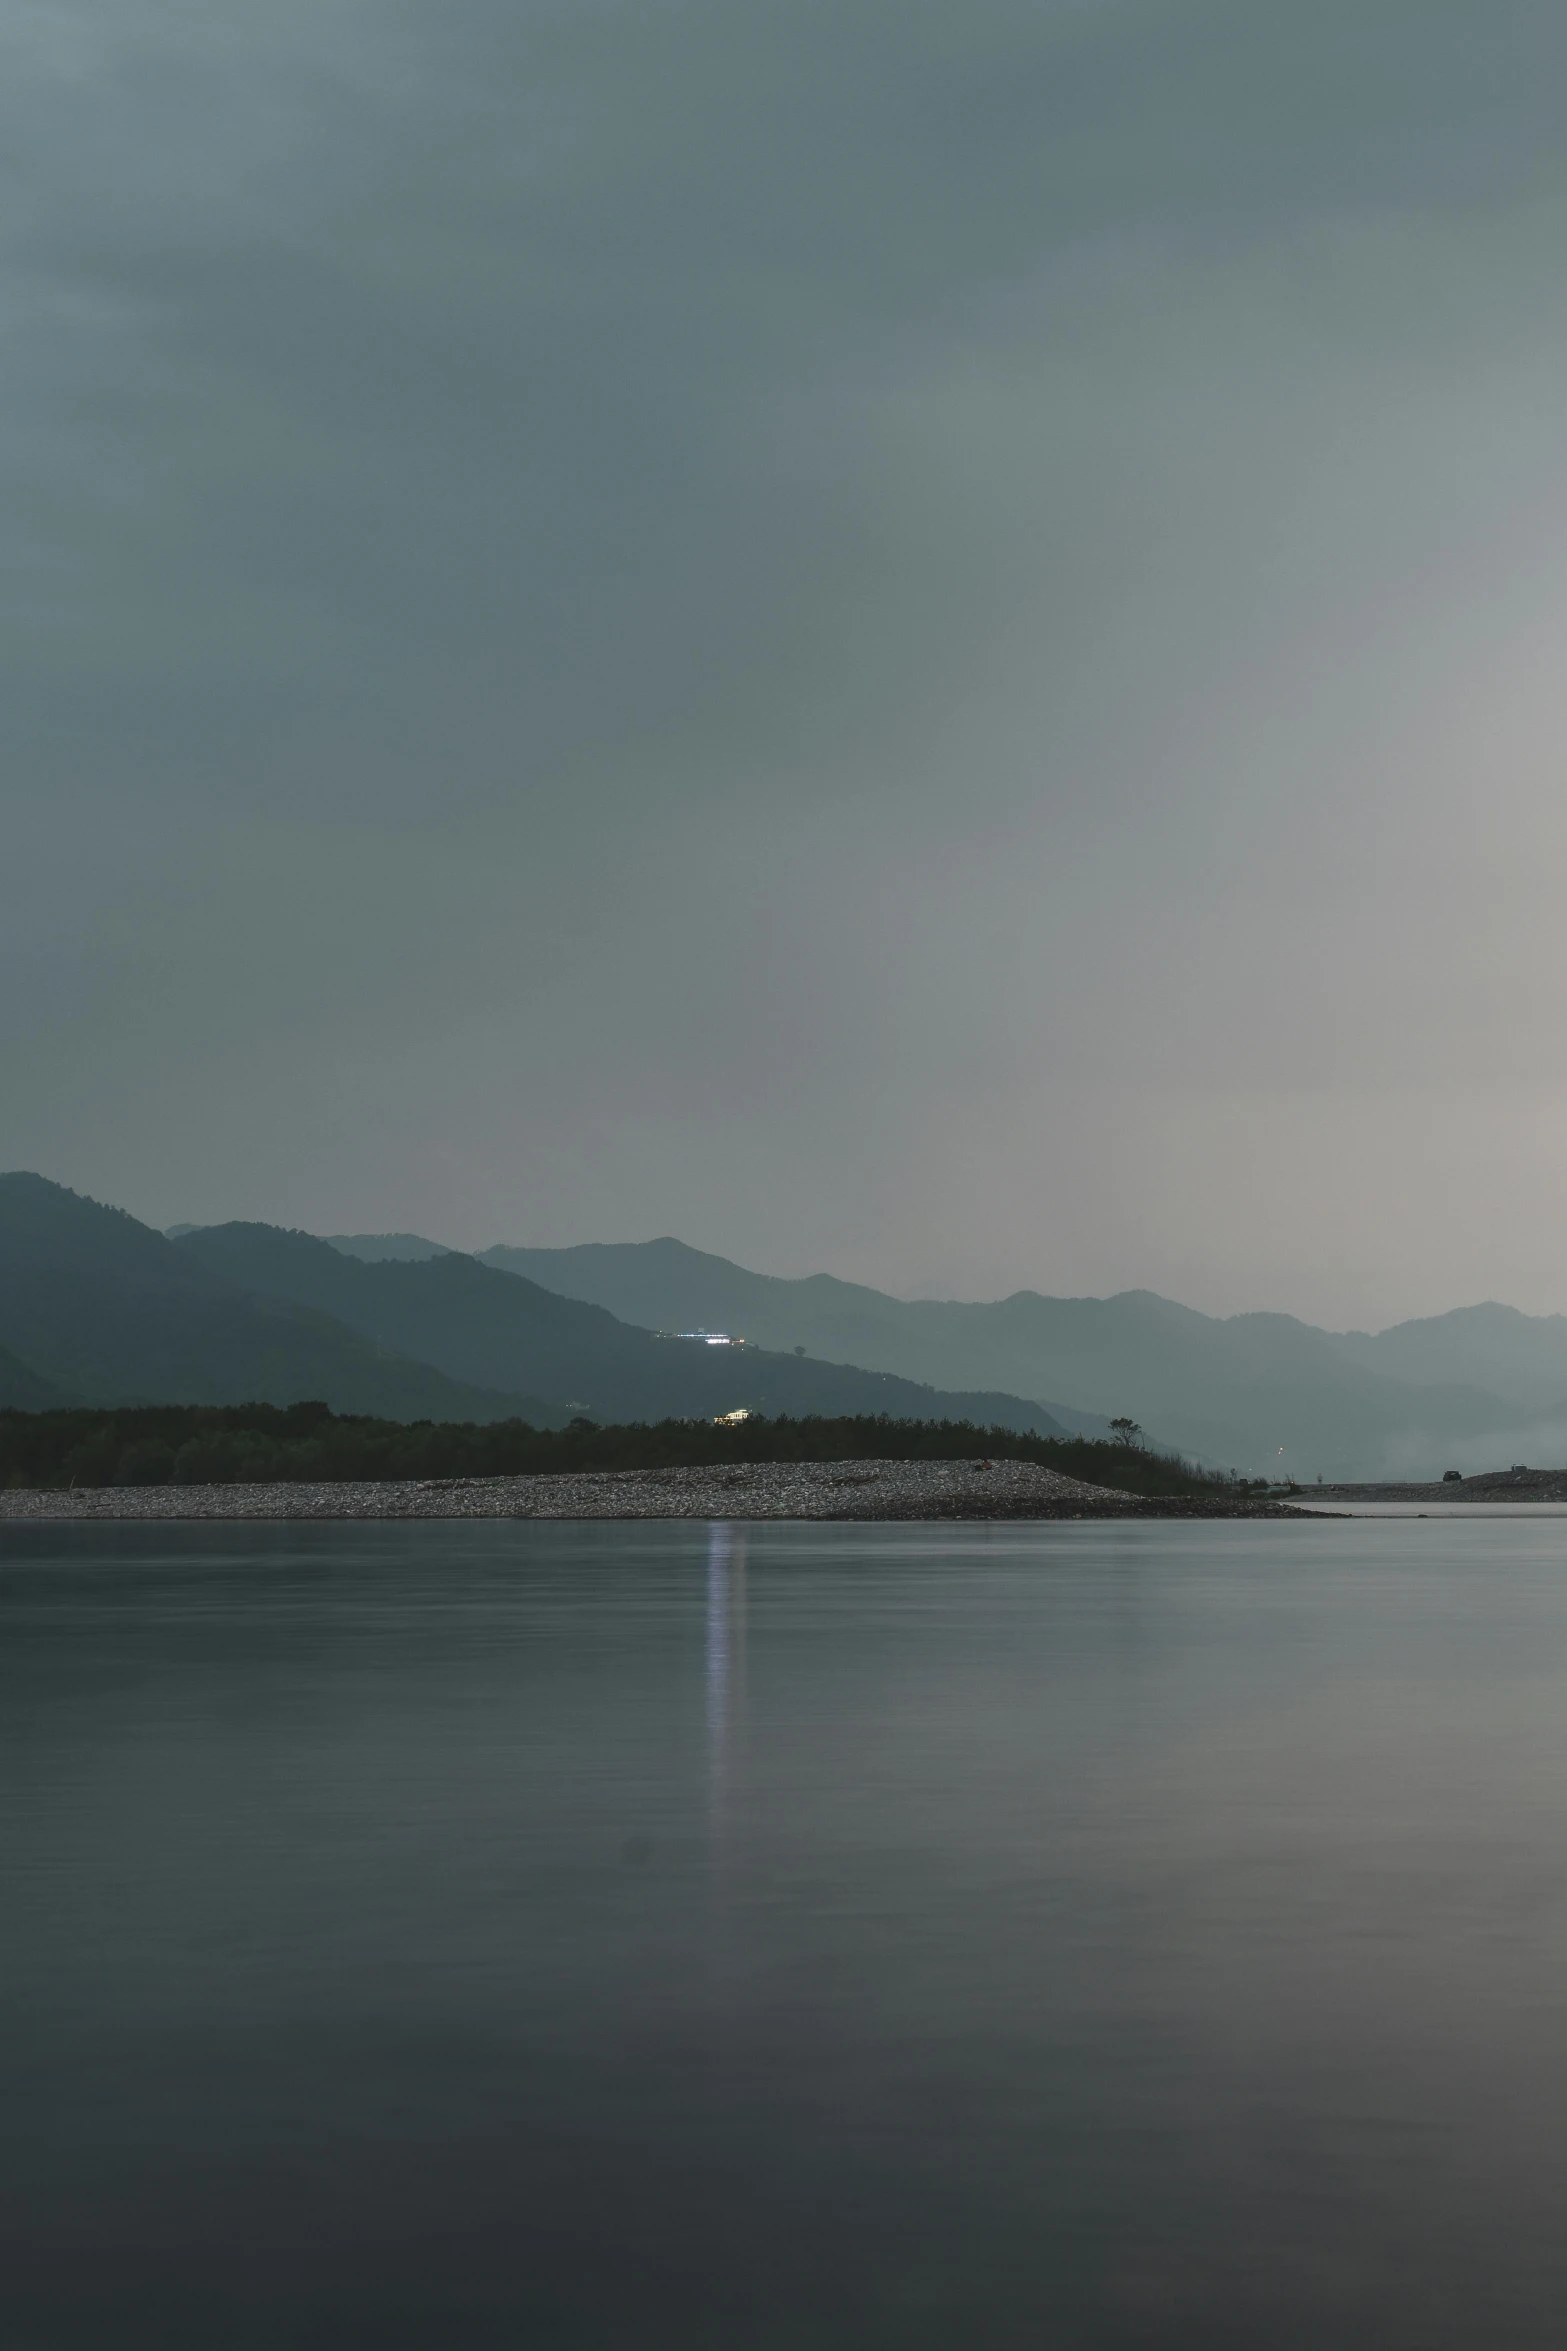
922, 640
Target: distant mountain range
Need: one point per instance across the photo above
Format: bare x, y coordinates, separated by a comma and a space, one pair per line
1259, 1391
97, 1308
372, 1248
474, 1322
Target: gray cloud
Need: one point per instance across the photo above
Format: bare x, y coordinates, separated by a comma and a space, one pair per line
916, 639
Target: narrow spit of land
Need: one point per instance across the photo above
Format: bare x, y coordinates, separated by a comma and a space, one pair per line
979, 1488
1492, 1485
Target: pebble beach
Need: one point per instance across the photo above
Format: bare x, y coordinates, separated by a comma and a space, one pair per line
759, 1490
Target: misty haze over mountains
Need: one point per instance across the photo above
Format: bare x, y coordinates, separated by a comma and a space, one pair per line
97, 1308
1257, 1390
1260, 1391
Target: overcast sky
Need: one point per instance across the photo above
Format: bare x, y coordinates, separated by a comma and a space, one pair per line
921, 640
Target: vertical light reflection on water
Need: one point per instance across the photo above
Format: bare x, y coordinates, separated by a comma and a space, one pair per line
726, 1548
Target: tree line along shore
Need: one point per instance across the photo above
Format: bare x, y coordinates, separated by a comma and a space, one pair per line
307, 1443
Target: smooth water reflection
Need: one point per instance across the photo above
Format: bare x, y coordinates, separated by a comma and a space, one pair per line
726, 1551
782, 1936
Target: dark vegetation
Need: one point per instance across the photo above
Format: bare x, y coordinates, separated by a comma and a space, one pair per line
244, 1443
96, 1308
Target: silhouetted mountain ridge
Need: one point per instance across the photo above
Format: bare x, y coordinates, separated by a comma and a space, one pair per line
103, 1308
377, 1248
1260, 1390
475, 1322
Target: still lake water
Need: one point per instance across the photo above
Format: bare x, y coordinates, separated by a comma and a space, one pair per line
629, 1936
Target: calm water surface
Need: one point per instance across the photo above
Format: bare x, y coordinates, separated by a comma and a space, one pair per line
635, 1936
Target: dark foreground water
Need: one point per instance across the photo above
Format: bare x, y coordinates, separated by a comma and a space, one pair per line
637, 1936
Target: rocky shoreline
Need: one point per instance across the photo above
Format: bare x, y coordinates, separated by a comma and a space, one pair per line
970, 1489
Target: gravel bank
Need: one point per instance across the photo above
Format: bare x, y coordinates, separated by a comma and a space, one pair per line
812, 1489
1492, 1485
